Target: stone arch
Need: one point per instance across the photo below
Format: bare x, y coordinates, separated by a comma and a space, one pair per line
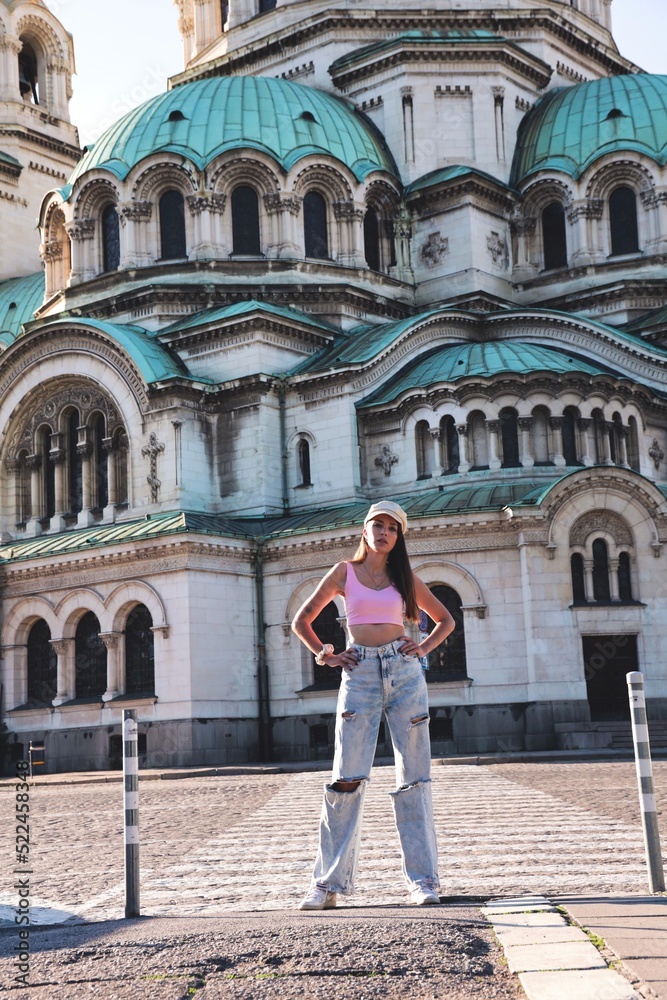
543, 191
92, 197
615, 173
232, 171
453, 575
23, 616
126, 596
327, 179
299, 595
601, 522
75, 605
153, 179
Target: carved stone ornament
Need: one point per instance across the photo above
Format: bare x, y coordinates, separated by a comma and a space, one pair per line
136, 211
434, 249
497, 248
386, 459
600, 520
81, 229
206, 201
152, 450
656, 453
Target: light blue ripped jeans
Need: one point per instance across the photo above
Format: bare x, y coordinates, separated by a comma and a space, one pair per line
384, 680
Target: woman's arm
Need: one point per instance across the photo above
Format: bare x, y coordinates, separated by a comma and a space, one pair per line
444, 623
332, 585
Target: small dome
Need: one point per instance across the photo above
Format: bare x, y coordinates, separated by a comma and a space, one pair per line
202, 119
19, 298
571, 127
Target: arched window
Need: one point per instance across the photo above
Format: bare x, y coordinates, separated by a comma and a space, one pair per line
601, 436
553, 236
539, 434
28, 73
42, 665
578, 581
448, 661
479, 441
424, 450
372, 239
509, 437
303, 455
172, 226
623, 221
100, 470
449, 443
315, 229
633, 444
110, 238
120, 450
139, 652
245, 221
90, 659
23, 489
570, 436
624, 577
48, 472
74, 465
601, 590
327, 628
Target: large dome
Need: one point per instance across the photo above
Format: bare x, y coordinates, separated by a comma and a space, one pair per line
203, 119
571, 127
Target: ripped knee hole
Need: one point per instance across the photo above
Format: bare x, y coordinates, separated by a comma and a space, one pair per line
345, 786
420, 720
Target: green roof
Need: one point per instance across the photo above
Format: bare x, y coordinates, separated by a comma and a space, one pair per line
247, 308
453, 362
204, 118
445, 174
155, 361
10, 160
19, 298
571, 127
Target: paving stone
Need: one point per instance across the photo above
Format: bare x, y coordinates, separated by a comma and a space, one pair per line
533, 934
602, 984
543, 957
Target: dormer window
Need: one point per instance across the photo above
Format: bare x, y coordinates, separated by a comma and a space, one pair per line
615, 113
176, 116
307, 116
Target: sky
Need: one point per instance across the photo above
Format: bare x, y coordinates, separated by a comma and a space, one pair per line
127, 49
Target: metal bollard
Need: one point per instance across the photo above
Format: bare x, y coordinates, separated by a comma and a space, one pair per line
640, 738
36, 755
131, 784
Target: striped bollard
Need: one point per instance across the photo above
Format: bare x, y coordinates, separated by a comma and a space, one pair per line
131, 783
640, 738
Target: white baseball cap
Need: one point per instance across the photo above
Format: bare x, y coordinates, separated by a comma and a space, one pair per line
390, 508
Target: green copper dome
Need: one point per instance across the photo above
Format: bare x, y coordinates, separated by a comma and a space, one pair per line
571, 127
202, 119
19, 298
480, 360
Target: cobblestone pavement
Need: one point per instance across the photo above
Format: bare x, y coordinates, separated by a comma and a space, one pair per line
214, 845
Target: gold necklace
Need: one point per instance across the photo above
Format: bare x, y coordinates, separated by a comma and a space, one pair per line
383, 578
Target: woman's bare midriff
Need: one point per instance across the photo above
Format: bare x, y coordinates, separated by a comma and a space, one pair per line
375, 635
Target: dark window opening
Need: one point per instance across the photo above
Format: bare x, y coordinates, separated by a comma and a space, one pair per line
315, 226
372, 239
623, 221
601, 591
450, 442
509, 436
49, 471
42, 665
570, 438
74, 465
176, 116
245, 221
90, 657
110, 238
139, 652
266, 5
553, 236
307, 116
441, 728
172, 226
303, 451
448, 661
319, 736
607, 660
101, 466
327, 628
624, 577
578, 581
28, 81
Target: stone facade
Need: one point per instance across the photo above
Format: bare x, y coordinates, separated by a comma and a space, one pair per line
242, 342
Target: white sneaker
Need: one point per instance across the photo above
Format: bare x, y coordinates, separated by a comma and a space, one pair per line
424, 897
318, 898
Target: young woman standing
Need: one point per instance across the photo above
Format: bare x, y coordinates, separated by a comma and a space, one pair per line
381, 674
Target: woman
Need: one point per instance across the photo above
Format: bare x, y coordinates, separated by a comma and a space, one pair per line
381, 673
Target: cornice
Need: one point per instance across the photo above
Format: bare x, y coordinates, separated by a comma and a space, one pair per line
428, 201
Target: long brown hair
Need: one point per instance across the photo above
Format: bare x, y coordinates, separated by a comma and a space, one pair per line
399, 570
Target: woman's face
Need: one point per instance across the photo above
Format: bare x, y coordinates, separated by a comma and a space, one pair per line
381, 533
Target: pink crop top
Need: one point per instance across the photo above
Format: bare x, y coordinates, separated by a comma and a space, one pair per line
364, 606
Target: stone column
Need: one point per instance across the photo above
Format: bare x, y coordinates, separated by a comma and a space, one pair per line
10, 48
13, 469
556, 425
613, 579
588, 579
134, 217
607, 431
66, 683
57, 458
464, 458
526, 459
109, 449
203, 206
113, 646
585, 425
84, 448
402, 270
82, 237
622, 441
34, 463
283, 211
436, 436
522, 229
350, 219
493, 427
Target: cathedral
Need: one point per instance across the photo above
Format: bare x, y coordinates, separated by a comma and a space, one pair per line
350, 253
